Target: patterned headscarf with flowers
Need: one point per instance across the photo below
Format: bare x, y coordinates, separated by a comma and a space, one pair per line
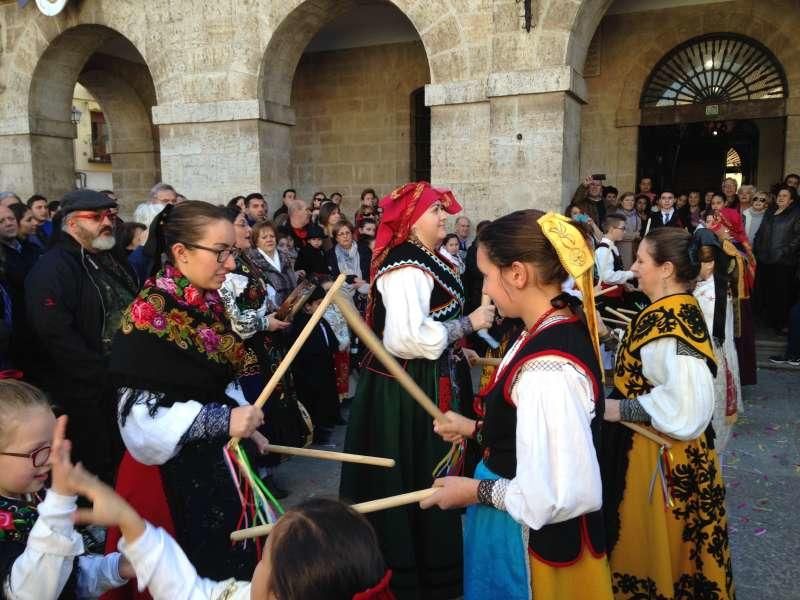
175, 338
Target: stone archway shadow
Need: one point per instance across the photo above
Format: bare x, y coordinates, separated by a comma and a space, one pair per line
126, 93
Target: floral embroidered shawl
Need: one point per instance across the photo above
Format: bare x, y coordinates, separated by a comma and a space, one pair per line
175, 339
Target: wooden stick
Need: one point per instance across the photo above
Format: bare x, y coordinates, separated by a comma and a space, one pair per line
290, 355
488, 361
363, 507
329, 455
371, 341
394, 501
628, 311
618, 314
648, 434
486, 300
614, 321
605, 291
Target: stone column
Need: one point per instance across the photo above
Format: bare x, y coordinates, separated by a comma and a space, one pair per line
534, 137
275, 148
52, 157
37, 156
135, 169
460, 144
627, 147
16, 168
216, 150
209, 151
791, 157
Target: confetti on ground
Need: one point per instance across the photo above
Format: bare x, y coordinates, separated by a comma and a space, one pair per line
760, 531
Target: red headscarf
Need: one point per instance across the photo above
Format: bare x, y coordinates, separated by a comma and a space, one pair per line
401, 209
732, 221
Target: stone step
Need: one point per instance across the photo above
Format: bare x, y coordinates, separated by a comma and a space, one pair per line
779, 344
765, 364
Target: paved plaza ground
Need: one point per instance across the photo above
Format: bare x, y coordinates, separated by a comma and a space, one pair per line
761, 470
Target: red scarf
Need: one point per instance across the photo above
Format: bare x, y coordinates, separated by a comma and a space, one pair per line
401, 209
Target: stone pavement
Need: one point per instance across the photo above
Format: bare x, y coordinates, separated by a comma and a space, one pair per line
761, 471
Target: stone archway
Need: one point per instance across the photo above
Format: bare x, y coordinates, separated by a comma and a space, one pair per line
335, 151
126, 92
134, 142
611, 118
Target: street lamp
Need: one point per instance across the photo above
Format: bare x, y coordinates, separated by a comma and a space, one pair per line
75, 116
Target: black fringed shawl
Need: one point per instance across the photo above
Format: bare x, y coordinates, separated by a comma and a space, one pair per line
175, 340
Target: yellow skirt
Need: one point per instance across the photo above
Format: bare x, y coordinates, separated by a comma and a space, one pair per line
588, 579
675, 551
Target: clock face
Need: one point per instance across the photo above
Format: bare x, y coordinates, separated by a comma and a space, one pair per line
51, 7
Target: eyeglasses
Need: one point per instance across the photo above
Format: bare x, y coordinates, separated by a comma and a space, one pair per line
222, 255
96, 216
39, 457
344, 233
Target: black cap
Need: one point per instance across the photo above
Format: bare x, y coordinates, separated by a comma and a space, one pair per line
85, 200
315, 231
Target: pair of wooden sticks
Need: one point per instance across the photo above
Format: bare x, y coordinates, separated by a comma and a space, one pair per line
371, 341
363, 507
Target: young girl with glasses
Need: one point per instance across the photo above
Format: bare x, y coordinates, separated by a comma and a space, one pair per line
41, 554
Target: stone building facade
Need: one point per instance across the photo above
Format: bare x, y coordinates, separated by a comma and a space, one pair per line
226, 97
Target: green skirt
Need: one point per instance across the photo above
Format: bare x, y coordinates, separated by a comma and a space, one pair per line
423, 548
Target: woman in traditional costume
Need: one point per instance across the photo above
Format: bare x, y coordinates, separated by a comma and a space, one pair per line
734, 242
250, 303
534, 526
713, 295
665, 514
171, 361
416, 306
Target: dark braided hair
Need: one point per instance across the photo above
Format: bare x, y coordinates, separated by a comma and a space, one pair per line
184, 222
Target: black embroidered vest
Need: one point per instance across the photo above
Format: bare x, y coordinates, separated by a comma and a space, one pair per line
618, 265
447, 297
559, 544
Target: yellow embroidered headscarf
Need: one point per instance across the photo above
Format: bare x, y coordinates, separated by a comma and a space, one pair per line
577, 258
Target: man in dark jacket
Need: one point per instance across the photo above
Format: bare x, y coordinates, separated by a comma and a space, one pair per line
75, 295
667, 215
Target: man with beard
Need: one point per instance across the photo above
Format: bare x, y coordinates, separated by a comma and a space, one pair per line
75, 296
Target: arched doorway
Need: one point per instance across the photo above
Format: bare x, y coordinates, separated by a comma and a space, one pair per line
336, 86
714, 99
114, 73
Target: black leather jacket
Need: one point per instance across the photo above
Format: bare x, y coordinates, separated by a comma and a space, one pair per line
778, 239
67, 312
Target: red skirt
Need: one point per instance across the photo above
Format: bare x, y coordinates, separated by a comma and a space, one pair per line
142, 487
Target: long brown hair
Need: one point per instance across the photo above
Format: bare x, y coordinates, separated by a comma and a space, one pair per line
670, 244
519, 237
184, 223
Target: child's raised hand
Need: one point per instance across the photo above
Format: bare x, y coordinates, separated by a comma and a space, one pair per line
108, 508
60, 462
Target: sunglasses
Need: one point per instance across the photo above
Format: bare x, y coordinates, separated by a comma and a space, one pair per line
96, 216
